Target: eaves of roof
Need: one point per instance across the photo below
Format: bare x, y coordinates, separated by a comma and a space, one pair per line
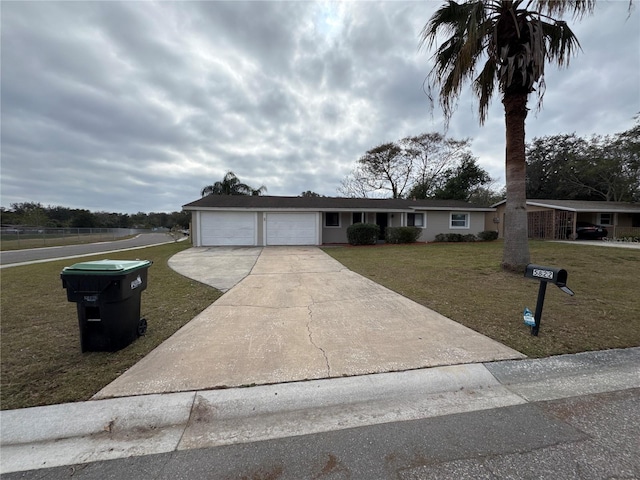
327, 204
582, 206
585, 206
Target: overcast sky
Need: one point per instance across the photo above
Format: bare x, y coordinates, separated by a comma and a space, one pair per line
135, 106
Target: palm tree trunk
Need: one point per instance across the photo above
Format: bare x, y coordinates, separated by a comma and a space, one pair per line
516, 244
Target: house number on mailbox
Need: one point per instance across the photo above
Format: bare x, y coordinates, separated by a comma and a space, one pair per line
542, 273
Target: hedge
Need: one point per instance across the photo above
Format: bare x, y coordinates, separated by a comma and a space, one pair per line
486, 236
363, 234
402, 234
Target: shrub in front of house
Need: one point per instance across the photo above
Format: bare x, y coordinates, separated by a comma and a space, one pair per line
401, 234
488, 236
363, 234
455, 237
448, 237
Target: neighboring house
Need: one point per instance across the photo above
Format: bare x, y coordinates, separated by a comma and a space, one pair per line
556, 219
266, 220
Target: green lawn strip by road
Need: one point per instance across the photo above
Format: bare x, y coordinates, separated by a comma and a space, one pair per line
14, 242
464, 282
41, 362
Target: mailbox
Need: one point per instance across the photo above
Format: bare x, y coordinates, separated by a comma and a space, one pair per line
557, 276
548, 274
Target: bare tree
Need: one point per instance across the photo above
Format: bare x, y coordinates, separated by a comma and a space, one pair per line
415, 166
383, 169
432, 155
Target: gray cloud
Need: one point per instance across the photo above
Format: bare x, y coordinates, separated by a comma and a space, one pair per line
133, 106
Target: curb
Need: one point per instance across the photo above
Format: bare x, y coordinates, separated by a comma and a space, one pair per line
67, 434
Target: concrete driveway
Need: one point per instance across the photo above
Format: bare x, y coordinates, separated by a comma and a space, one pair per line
601, 243
298, 314
220, 267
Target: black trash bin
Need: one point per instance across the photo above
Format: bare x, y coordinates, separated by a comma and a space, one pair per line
107, 294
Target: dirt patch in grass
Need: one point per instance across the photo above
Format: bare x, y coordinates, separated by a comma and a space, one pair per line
41, 362
465, 283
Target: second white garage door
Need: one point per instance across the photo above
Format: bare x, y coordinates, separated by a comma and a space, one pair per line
292, 229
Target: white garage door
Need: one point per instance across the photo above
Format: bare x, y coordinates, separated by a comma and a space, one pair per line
292, 228
227, 228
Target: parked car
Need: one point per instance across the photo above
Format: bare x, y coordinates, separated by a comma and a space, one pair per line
588, 231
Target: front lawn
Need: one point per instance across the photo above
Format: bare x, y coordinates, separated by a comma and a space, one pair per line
464, 282
41, 362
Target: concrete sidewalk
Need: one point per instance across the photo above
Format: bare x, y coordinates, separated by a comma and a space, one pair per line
297, 315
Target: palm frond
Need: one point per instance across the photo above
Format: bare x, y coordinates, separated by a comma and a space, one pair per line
455, 60
579, 8
484, 85
517, 36
561, 42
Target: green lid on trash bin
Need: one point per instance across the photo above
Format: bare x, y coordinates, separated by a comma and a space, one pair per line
106, 267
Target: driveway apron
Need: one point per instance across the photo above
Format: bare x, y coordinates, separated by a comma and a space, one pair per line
300, 315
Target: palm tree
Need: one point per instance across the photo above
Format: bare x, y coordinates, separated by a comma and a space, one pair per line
231, 185
513, 38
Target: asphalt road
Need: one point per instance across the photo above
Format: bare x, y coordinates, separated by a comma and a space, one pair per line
13, 257
583, 437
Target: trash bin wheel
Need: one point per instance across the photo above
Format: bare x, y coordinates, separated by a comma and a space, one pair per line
142, 327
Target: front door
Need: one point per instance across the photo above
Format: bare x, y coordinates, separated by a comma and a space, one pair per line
381, 221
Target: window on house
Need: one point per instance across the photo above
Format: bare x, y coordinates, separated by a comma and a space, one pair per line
332, 219
415, 220
606, 219
357, 217
459, 220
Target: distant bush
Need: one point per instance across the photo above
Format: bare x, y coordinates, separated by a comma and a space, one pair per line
488, 235
448, 237
402, 234
441, 237
455, 237
363, 234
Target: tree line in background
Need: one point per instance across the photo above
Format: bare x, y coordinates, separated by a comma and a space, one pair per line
428, 165
604, 168
37, 215
559, 167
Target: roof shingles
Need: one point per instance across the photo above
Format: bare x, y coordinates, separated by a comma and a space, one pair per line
255, 202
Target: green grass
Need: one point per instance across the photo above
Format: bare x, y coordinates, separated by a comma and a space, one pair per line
464, 282
20, 242
41, 362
